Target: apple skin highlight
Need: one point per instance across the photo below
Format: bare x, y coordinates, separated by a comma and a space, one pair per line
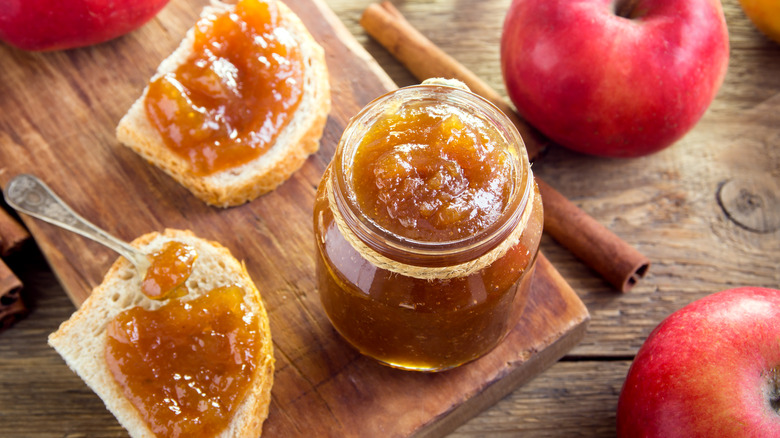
710, 369
602, 84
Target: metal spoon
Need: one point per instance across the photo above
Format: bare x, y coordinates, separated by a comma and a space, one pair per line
29, 195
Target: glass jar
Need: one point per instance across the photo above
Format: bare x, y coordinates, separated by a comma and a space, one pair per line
416, 267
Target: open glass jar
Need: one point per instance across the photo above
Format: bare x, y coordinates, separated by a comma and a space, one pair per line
427, 224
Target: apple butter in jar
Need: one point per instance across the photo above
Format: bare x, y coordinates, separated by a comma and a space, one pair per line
427, 224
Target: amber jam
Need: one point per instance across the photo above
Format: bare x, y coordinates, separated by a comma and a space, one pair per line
186, 366
432, 172
170, 267
428, 223
229, 101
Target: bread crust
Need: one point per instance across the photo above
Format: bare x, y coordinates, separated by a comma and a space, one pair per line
82, 339
235, 186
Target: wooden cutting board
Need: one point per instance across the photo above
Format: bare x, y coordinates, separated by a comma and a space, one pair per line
58, 112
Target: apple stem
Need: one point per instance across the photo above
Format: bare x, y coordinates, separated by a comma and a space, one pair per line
626, 8
774, 389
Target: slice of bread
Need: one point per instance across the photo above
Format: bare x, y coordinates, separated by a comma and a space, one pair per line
299, 139
81, 340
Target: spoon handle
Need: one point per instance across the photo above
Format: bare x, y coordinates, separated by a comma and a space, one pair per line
29, 195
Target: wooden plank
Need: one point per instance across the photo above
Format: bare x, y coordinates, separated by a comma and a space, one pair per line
58, 119
668, 207
569, 399
42, 398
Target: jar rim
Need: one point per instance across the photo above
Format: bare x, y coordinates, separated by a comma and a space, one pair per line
421, 252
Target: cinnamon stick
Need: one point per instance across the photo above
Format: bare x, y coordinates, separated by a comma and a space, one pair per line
12, 308
617, 261
12, 233
424, 60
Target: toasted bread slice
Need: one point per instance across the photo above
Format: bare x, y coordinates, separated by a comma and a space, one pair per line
82, 339
299, 139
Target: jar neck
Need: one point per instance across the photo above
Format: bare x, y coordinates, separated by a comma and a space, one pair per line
419, 252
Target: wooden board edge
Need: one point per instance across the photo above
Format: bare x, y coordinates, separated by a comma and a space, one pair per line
40, 238
497, 390
63, 273
346, 37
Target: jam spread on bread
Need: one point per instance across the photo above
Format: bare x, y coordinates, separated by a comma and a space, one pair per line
432, 172
187, 365
227, 104
170, 268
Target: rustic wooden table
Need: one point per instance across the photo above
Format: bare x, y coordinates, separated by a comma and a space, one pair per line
667, 205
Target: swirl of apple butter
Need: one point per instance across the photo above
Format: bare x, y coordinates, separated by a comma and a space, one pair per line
432, 173
227, 104
188, 365
169, 268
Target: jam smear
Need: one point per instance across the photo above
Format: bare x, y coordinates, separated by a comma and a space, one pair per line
170, 268
433, 173
227, 104
186, 366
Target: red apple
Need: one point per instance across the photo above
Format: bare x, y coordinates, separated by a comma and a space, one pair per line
65, 24
711, 369
614, 78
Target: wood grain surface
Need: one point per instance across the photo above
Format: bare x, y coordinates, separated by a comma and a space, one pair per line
669, 205
322, 386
